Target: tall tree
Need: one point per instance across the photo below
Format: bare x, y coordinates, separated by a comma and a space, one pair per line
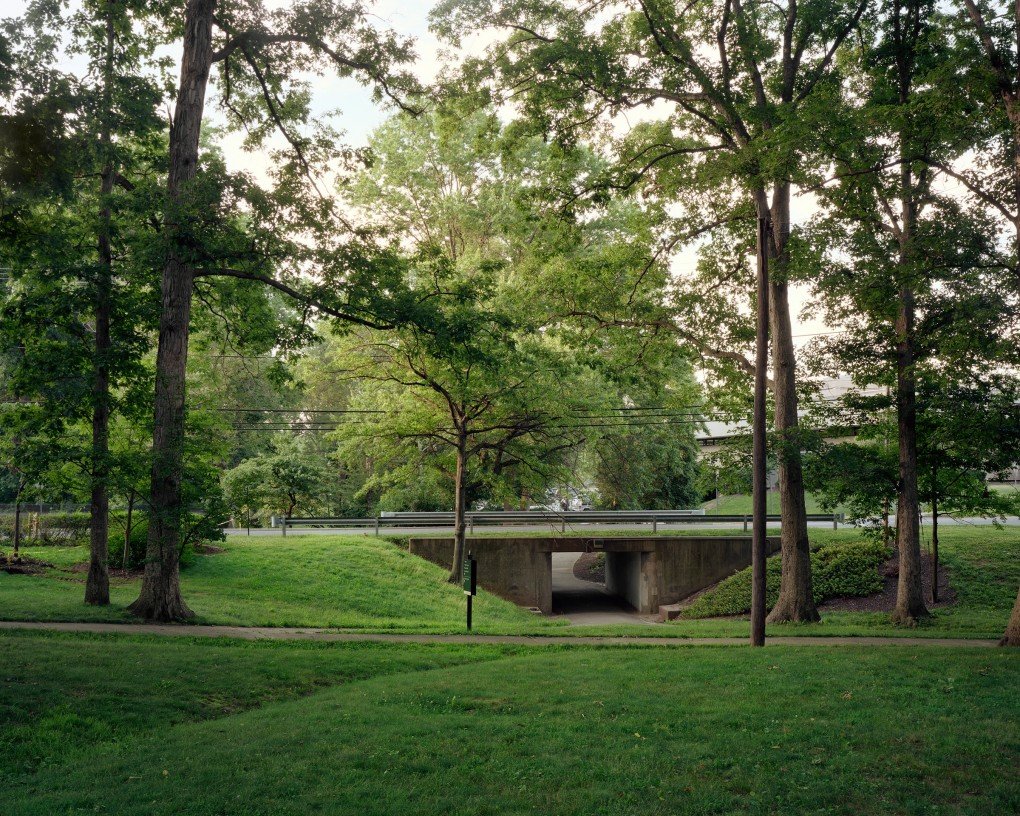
993, 29
261, 55
68, 235
1011, 637
735, 81
909, 272
498, 379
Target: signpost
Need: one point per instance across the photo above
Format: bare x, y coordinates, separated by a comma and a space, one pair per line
469, 572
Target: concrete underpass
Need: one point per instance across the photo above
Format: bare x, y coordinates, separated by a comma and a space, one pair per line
586, 603
642, 573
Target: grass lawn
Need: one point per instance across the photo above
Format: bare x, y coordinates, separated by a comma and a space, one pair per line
364, 583
140, 726
352, 582
740, 504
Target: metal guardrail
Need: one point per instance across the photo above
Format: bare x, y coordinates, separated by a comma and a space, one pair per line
539, 517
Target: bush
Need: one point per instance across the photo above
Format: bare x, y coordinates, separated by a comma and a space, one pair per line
136, 546
72, 530
54, 529
848, 569
837, 570
202, 530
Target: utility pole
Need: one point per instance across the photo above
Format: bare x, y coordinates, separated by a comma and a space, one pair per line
758, 463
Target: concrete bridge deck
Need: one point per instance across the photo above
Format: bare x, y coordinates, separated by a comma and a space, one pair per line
645, 571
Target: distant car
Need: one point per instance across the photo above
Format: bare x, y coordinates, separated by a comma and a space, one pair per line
541, 508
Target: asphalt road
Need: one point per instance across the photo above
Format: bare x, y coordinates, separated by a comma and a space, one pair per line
707, 524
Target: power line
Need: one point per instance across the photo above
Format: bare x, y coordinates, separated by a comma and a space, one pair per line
557, 424
299, 411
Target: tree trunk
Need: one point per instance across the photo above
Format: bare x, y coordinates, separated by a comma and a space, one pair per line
127, 530
160, 598
460, 495
934, 537
909, 595
909, 592
1011, 637
97, 583
759, 550
796, 599
17, 529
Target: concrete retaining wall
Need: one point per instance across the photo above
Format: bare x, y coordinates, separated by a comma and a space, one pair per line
689, 564
646, 571
513, 568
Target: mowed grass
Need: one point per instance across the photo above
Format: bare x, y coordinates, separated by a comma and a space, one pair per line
352, 582
984, 570
62, 694
556, 730
369, 584
740, 504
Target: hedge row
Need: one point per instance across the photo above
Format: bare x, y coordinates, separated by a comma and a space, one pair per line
72, 530
53, 528
837, 571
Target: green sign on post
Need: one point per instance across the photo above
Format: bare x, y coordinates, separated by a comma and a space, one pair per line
469, 572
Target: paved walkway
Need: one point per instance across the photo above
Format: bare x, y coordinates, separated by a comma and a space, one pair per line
288, 633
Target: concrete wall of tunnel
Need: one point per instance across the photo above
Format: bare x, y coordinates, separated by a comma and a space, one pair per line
632, 576
647, 571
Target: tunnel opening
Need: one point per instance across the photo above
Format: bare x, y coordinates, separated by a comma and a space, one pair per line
588, 601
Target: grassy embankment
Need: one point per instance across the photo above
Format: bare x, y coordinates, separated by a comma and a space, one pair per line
740, 504
364, 583
134, 725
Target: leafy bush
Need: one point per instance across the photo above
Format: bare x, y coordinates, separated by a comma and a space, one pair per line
201, 529
136, 546
72, 530
66, 529
837, 570
849, 569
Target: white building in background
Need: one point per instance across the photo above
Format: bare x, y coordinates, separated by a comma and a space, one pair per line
830, 390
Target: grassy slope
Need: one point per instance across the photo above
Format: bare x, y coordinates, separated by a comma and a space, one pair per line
61, 694
365, 583
328, 581
578, 731
740, 504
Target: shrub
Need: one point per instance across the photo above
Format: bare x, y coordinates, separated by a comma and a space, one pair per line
847, 569
54, 529
837, 570
202, 530
136, 546
72, 530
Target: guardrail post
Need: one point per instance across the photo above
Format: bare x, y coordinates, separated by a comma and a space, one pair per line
563, 525
745, 524
377, 524
471, 525
655, 524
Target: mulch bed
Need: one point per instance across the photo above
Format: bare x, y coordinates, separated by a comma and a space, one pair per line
115, 572
23, 565
587, 569
591, 566
885, 601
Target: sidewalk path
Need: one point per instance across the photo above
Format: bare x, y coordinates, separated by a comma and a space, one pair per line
285, 633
